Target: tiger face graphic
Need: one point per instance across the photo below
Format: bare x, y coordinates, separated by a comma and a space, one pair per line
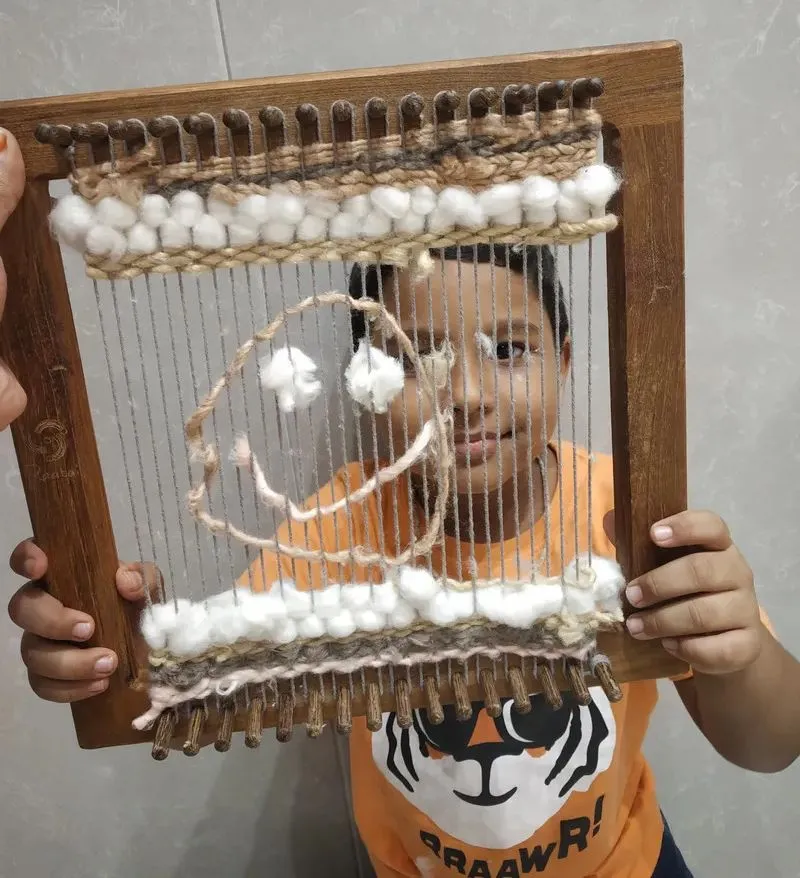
493, 783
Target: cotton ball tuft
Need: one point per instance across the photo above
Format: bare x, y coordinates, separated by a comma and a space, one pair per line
463, 603
221, 210
376, 224
242, 234
154, 210
578, 601
344, 226
328, 601
423, 200
417, 585
192, 635
287, 209
291, 375
71, 219
255, 210
114, 212
312, 228
105, 241
298, 603
489, 600
393, 202
209, 233
369, 620
441, 609
187, 208
341, 625
403, 616
596, 185
440, 221
456, 202
160, 620
500, 199
570, 206
358, 206
511, 217
539, 197
356, 597
277, 233
384, 598
142, 239
374, 379
410, 224
284, 631
174, 235
311, 628
321, 206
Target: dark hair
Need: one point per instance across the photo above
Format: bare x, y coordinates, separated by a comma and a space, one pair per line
538, 262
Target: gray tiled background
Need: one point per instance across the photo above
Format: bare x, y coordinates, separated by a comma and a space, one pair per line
284, 812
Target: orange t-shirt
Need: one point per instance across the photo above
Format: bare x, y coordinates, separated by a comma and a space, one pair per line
567, 793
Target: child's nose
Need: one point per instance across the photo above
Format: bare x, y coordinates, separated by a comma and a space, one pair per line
469, 395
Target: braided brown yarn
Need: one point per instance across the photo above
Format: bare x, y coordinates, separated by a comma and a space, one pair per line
437, 450
390, 249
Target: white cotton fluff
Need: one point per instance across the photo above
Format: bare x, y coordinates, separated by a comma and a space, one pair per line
277, 232
311, 627
578, 601
608, 585
142, 239
441, 609
403, 616
358, 206
312, 228
375, 224
154, 210
369, 620
112, 211
284, 631
417, 585
384, 598
539, 197
489, 600
410, 224
71, 219
456, 202
511, 217
344, 226
227, 625
187, 208
242, 234
500, 199
209, 233
423, 200
596, 185
262, 612
174, 235
255, 210
356, 597
474, 218
105, 241
440, 221
291, 375
393, 202
160, 620
373, 379
328, 601
192, 635
532, 603
286, 208
298, 603
463, 603
571, 208
221, 210
321, 206
341, 625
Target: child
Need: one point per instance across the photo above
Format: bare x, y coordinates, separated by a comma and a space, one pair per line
563, 791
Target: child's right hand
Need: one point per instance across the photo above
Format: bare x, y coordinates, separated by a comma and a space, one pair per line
58, 669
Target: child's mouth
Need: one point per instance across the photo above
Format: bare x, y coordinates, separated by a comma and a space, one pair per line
477, 447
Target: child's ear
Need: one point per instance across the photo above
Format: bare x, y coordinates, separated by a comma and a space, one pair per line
566, 357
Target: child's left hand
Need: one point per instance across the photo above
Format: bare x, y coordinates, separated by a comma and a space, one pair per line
702, 606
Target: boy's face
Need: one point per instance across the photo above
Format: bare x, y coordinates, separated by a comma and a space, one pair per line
494, 389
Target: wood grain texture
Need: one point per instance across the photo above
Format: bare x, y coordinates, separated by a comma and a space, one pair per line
643, 87
642, 106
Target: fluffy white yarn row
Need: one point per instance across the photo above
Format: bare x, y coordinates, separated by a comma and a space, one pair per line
113, 228
373, 378
283, 614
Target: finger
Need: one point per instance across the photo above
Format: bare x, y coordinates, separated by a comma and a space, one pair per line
702, 529
723, 653
706, 614
12, 175
64, 692
609, 526
12, 397
691, 575
44, 658
38, 612
136, 581
29, 560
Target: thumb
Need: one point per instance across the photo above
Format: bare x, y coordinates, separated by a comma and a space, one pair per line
609, 526
136, 581
12, 175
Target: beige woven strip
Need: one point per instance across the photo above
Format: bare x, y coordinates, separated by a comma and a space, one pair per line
387, 250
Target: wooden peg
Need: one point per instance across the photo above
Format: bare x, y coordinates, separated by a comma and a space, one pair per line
254, 725
283, 730
274, 125
167, 130
344, 711
548, 95
241, 133
584, 92
491, 701
411, 109
433, 701
197, 720
402, 693
550, 690
373, 707
225, 730
463, 702
519, 691
481, 101
446, 103
314, 718
602, 670
165, 730
578, 682
307, 116
375, 112
342, 121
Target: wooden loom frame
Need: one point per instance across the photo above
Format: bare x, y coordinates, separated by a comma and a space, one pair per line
642, 109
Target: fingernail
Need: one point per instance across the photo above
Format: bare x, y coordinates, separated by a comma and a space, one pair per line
634, 595
82, 630
635, 625
3, 141
98, 686
662, 533
104, 665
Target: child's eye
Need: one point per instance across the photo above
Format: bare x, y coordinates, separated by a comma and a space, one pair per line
510, 350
